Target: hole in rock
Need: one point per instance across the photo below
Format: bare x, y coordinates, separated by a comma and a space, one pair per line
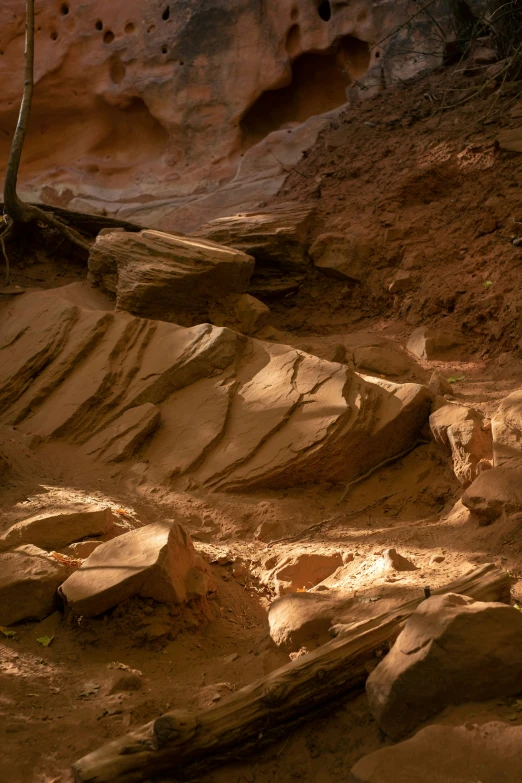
99, 25
129, 28
295, 14
164, 50
325, 11
318, 85
54, 35
118, 71
166, 13
293, 40
64, 9
108, 37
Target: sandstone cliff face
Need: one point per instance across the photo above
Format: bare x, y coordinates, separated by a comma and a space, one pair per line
150, 105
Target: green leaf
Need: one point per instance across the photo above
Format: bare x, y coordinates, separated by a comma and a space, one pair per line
45, 641
7, 632
487, 284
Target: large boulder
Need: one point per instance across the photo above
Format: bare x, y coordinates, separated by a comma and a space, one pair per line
489, 753
506, 428
29, 579
452, 650
462, 431
493, 493
163, 276
154, 562
236, 412
276, 238
58, 527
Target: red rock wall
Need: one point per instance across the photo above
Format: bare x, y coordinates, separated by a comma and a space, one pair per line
144, 100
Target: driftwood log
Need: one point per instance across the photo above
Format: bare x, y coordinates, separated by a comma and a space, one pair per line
181, 739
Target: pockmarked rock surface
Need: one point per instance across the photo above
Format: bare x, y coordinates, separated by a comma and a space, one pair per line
463, 431
489, 753
267, 415
159, 275
452, 650
153, 561
493, 493
59, 527
29, 579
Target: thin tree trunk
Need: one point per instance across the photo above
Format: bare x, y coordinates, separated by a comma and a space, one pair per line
14, 207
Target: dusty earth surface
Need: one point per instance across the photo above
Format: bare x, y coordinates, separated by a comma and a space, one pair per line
454, 198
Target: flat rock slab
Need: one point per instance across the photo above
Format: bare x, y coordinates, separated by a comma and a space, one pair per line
278, 237
452, 650
491, 753
158, 275
29, 579
153, 562
57, 528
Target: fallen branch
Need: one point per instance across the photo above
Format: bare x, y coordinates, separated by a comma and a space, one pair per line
179, 742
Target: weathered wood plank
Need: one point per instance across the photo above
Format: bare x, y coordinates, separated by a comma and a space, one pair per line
180, 738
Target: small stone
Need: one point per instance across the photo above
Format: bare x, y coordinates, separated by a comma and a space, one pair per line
152, 561
437, 559
126, 682
439, 384
394, 233
29, 579
341, 256
395, 561
402, 282
428, 343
